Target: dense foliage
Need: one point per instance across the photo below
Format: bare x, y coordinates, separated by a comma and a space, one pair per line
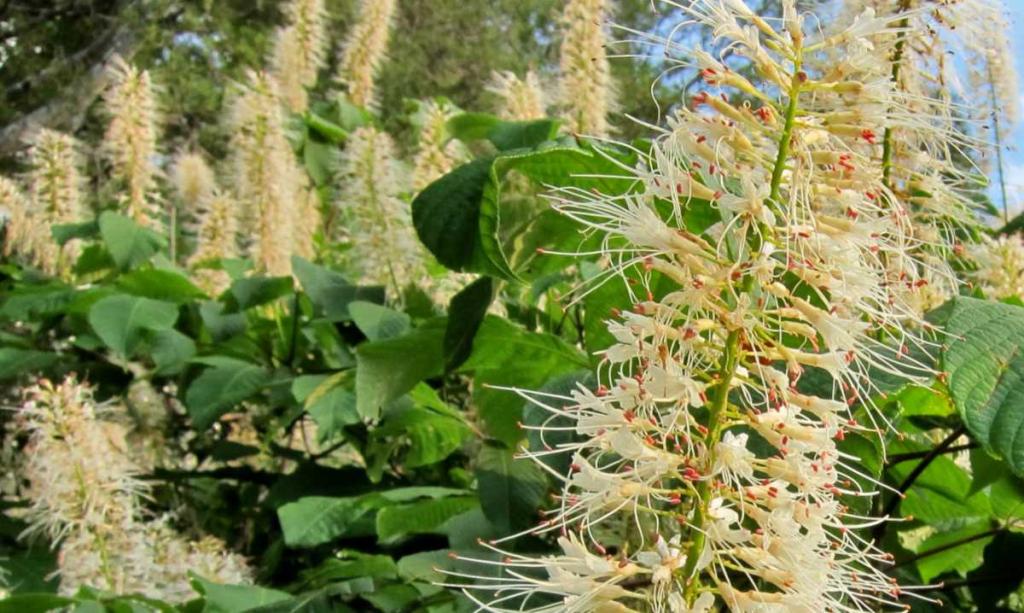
301, 372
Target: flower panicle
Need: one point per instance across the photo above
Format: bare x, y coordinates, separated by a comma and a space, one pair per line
56, 196
300, 51
587, 87
22, 230
377, 221
131, 141
193, 181
265, 174
705, 457
365, 50
216, 239
1000, 266
519, 99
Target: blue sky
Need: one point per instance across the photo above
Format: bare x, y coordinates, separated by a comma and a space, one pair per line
1015, 154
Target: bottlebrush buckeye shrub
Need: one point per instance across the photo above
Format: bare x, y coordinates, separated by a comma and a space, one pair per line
703, 471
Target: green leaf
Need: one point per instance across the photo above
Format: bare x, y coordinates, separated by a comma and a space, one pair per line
128, 243
62, 233
319, 159
465, 222
330, 293
388, 369
14, 362
504, 135
941, 494
120, 320
171, 351
331, 406
378, 322
221, 326
511, 489
962, 557
432, 436
505, 355
255, 291
984, 361
37, 300
159, 284
315, 520
220, 388
447, 216
235, 598
34, 603
326, 129
465, 315
423, 517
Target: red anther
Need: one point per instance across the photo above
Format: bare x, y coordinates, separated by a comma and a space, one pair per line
764, 113
697, 283
689, 333
575, 467
639, 309
840, 435
602, 391
702, 429
701, 138
648, 263
751, 495
773, 491
852, 213
869, 136
690, 474
616, 312
650, 296
650, 441
696, 164
712, 168
708, 74
629, 415
680, 188
718, 194
784, 440
540, 250
675, 499
699, 99
920, 283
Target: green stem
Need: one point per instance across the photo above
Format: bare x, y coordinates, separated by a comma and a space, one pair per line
731, 358
729, 363
897, 62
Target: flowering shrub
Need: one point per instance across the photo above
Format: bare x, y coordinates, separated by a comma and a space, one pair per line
765, 359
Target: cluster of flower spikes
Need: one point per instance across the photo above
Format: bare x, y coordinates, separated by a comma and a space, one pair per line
131, 141
376, 219
704, 471
587, 88
364, 51
519, 99
85, 495
300, 50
